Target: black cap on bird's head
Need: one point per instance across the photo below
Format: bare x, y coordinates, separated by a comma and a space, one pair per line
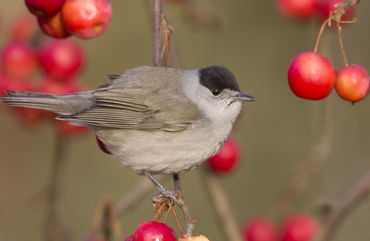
217, 78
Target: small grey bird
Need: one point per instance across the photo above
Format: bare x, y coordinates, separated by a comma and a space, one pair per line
154, 120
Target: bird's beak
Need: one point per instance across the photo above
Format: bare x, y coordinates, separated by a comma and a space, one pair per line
244, 97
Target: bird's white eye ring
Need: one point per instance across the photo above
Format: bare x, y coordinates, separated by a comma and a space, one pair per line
216, 92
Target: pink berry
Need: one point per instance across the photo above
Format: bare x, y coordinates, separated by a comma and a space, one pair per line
44, 7
300, 227
302, 9
311, 76
19, 61
352, 83
53, 26
226, 159
154, 231
324, 7
87, 18
61, 59
102, 146
259, 229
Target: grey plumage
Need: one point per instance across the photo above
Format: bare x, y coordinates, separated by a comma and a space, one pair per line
155, 119
122, 104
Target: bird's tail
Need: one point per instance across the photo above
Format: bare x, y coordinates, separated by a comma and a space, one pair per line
61, 104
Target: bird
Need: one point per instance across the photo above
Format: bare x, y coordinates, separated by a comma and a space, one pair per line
154, 120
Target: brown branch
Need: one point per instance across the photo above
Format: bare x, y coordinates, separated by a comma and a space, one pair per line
341, 9
335, 211
190, 222
53, 227
222, 207
319, 152
157, 11
161, 25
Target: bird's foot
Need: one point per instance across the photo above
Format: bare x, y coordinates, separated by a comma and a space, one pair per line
165, 194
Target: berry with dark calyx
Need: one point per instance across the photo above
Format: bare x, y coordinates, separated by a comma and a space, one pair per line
44, 8
352, 83
259, 229
19, 61
61, 59
102, 146
86, 18
311, 76
324, 7
301, 227
23, 27
53, 26
226, 159
302, 9
150, 231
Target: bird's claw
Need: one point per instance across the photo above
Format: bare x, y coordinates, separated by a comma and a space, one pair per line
164, 193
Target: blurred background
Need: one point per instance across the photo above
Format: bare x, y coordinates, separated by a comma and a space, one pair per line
276, 132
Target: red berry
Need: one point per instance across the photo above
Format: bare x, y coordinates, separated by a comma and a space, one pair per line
61, 59
86, 18
352, 83
226, 159
23, 27
53, 26
102, 146
302, 9
259, 229
311, 76
154, 231
300, 227
44, 8
19, 61
324, 7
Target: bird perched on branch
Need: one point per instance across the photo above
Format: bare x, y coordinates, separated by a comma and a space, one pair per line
154, 120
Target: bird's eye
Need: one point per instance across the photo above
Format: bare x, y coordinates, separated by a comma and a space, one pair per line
216, 92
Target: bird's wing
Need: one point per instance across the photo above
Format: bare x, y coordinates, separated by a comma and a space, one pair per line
127, 109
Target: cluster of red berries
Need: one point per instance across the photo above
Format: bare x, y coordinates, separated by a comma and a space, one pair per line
309, 9
299, 227
312, 76
62, 18
45, 65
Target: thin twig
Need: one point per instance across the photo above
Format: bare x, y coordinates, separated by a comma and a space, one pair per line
341, 44
190, 222
222, 207
160, 25
157, 11
335, 211
319, 35
53, 228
